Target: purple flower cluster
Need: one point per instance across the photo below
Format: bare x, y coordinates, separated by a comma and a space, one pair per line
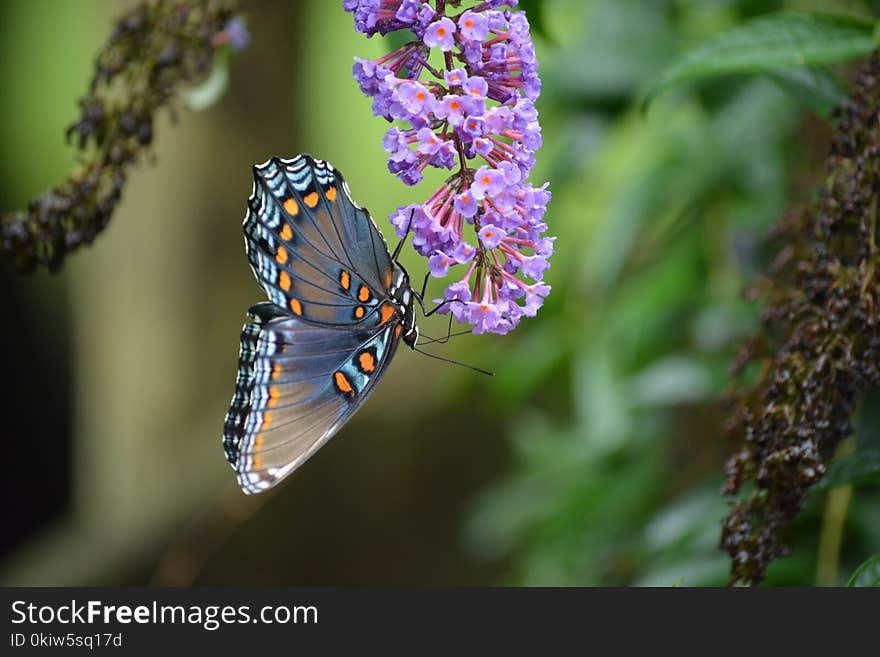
476, 113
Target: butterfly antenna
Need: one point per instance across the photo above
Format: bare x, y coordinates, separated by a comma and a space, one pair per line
455, 362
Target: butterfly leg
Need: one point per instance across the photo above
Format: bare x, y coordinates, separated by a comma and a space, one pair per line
420, 296
402, 241
444, 339
428, 313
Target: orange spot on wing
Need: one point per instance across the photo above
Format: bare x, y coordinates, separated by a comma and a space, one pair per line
274, 396
387, 313
284, 281
286, 233
388, 278
258, 441
359, 312
258, 462
366, 361
342, 383
281, 256
296, 307
267, 420
290, 205
276, 371
363, 293
311, 199
331, 193
397, 330
345, 279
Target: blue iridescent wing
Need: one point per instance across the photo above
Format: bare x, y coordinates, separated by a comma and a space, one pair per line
314, 251
311, 357
297, 384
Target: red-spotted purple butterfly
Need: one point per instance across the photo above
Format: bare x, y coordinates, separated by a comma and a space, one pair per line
339, 304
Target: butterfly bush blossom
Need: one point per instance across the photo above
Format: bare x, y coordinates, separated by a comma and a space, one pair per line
475, 114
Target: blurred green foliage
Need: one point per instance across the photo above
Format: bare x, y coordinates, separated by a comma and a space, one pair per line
662, 220
788, 46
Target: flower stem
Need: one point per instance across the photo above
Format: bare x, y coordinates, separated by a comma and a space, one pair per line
831, 535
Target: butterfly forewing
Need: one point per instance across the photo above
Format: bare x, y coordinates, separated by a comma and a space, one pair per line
311, 357
315, 252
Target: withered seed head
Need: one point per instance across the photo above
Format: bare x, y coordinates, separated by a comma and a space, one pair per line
153, 49
818, 345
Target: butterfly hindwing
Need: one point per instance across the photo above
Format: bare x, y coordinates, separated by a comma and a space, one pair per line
315, 252
297, 384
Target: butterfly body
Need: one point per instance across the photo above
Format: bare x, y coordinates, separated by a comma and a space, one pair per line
339, 305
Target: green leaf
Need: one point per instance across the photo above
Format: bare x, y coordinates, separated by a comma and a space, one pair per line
817, 88
674, 379
769, 44
868, 574
859, 469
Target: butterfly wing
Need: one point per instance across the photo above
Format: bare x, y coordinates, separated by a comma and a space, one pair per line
314, 251
311, 357
297, 384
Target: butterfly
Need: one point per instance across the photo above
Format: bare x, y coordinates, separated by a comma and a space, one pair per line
339, 305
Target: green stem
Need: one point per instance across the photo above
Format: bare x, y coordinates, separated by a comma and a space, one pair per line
833, 521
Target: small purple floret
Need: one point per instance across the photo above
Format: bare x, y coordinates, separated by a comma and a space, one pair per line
440, 34
473, 26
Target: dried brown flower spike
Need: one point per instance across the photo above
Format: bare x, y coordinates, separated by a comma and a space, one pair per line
819, 345
154, 49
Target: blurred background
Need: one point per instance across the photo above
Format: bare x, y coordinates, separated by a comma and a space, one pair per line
594, 457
